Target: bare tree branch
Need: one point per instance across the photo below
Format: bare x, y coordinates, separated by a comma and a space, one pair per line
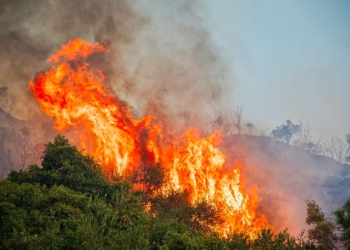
237, 118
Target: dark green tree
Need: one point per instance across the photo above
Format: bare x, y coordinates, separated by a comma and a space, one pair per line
64, 164
37, 217
323, 231
118, 214
342, 217
283, 240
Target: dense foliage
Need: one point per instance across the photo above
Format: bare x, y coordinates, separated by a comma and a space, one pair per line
342, 218
68, 204
323, 231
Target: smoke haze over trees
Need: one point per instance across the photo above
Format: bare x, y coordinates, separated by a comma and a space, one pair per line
146, 67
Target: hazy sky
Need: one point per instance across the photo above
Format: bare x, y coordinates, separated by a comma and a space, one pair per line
291, 59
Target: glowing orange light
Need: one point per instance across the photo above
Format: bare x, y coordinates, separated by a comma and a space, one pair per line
74, 95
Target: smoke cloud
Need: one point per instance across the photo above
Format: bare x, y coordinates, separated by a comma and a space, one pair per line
160, 52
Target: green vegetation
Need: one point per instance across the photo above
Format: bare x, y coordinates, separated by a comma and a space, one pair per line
323, 231
68, 204
342, 218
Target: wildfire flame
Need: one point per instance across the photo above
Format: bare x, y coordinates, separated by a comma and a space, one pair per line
75, 95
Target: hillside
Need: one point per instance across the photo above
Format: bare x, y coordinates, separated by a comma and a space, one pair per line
6, 120
287, 176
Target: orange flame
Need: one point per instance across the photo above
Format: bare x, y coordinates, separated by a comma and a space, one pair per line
74, 95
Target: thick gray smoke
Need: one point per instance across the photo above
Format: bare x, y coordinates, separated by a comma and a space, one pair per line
31, 31
161, 55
